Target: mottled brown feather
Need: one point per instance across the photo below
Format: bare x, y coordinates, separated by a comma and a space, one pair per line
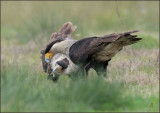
86, 48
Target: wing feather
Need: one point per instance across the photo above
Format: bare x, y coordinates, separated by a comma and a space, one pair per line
85, 48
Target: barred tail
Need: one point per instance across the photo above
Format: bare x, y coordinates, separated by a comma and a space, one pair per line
128, 39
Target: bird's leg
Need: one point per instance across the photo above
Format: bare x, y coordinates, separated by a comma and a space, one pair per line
101, 68
101, 71
88, 66
86, 69
105, 66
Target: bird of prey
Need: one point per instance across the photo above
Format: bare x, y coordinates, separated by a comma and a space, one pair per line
91, 52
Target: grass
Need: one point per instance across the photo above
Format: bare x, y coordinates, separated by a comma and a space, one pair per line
153, 42
38, 94
132, 82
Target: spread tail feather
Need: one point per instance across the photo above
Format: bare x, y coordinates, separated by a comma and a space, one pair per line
128, 39
122, 38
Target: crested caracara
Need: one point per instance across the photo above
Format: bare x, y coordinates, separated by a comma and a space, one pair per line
91, 52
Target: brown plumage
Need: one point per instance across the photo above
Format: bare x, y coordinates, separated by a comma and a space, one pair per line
96, 52
92, 52
63, 32
101, 48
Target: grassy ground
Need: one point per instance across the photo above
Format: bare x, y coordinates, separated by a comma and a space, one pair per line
132, 82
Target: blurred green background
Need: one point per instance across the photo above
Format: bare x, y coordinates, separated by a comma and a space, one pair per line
132, 82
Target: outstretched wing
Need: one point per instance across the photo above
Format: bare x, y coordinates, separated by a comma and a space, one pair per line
84, 49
